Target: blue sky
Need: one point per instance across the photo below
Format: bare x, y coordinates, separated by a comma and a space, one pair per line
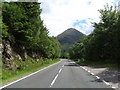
89, 3
77, 22
83, 25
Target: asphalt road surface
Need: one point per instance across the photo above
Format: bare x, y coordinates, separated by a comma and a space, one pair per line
65, 74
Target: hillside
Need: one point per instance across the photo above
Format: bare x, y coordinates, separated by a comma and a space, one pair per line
68, 38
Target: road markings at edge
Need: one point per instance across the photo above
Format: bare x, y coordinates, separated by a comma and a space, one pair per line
56, 76
98, 77
27, 76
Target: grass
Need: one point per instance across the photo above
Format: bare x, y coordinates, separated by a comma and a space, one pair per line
98, 63
24, 68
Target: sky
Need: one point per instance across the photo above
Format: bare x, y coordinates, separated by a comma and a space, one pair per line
59, 15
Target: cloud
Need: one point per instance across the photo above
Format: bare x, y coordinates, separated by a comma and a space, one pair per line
59, 15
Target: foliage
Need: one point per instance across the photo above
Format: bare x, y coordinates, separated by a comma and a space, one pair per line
65, 55
24, 29
103, 44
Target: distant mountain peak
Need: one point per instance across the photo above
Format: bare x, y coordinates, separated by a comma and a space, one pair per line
71, 29
69, 37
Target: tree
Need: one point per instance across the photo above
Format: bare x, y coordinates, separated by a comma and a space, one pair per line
103, 44
25, 30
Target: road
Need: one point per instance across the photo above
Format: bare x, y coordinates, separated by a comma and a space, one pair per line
65, 74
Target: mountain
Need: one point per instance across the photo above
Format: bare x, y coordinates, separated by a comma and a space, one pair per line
68, 38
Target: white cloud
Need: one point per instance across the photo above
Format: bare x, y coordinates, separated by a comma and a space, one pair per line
59, 15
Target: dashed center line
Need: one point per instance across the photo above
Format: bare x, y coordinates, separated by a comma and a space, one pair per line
54, 80
56, 76
60, 70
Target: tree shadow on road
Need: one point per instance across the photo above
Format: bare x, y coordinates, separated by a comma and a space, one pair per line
110, 75
72, 64
97, 80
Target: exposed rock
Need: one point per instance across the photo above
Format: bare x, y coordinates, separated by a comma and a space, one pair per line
8, 52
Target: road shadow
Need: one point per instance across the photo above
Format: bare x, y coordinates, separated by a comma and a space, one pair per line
83, 64
97, 80
110, 75
72, 64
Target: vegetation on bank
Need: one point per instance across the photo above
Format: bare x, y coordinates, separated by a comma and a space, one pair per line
102, 46
23, 28
26, 45
21, 68
98, 64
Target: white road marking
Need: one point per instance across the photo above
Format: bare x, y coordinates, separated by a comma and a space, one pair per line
97, 77
93, 74
27, 76
56, 76
106, 82
113, 87
60, 70
89, 71
81, 67
54, 80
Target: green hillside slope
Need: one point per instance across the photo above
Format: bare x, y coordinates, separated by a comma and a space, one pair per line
68, 38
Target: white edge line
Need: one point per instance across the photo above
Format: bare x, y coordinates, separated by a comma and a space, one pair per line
113, 87
54, 80
89, 71
106, 82
28, 76
97, 77
93, 74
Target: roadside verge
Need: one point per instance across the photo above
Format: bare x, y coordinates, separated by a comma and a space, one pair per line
29, 74
108, 75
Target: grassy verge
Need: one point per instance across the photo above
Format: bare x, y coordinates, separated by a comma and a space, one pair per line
24, 68
98, 63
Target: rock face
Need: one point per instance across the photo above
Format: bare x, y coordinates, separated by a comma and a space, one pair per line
68, 38
9, 53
